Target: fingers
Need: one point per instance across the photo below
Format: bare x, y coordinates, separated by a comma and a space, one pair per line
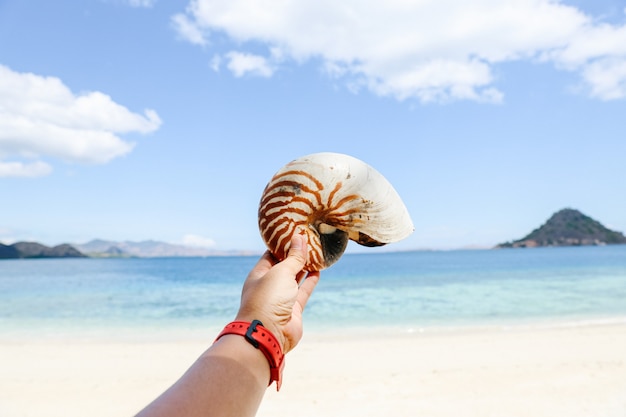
300, 277
295, 261
297, 256
263, 265
306, 288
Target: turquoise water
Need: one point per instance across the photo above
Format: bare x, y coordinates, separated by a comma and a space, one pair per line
411, 289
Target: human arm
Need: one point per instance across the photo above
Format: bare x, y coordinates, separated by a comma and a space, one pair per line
230, 377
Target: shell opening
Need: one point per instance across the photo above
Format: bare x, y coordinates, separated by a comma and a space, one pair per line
333, 245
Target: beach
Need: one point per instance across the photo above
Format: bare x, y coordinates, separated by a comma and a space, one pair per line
541, 370
506, 333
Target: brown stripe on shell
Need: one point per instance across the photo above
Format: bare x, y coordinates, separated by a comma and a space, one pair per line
280, 213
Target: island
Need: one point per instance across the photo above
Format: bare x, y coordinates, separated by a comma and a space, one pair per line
21, 250
568, 227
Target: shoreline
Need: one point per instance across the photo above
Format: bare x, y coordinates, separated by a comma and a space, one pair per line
196, 331
558, 369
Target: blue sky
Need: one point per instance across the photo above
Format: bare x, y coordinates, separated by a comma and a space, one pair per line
139, 119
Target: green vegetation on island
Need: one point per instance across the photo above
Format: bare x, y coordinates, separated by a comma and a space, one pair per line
568, 227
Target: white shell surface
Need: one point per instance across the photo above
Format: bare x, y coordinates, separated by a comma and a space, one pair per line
322, 192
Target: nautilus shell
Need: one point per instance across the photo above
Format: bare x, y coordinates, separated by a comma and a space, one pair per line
332, 198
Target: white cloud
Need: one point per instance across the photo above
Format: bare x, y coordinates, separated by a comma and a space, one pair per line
21, 169
188, 29
606, 78
41, 118
429, 50
198, 241
241, 64
592, 42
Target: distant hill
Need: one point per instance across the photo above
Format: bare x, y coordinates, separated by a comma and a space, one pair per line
37, 250
144, 249
568, 227
99, 248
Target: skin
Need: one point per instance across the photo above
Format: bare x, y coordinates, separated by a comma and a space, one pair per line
231, 376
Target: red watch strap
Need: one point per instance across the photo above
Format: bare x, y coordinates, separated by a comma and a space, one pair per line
262, 339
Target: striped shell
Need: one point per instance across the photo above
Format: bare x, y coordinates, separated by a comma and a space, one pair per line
332, 198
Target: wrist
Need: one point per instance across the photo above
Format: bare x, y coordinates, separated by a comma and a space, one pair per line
262, 339
267, 323
236, 348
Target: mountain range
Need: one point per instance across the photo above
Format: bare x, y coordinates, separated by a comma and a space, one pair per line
144, 249
99, 248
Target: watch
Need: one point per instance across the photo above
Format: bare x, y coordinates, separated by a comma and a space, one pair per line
262, 339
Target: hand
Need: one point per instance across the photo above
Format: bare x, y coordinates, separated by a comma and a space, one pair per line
277, 292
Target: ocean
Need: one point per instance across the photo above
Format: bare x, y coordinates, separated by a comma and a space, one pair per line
417, 290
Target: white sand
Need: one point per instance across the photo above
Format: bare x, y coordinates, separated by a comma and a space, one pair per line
557, 372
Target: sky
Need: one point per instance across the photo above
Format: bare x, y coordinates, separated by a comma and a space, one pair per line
151, 119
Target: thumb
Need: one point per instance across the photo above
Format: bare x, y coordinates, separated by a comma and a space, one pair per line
297, 256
